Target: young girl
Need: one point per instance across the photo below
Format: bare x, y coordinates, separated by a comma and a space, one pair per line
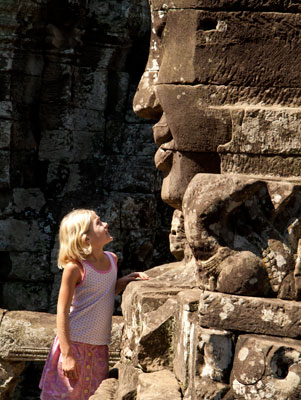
78, 360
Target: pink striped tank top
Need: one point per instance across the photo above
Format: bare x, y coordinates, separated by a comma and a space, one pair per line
90, 318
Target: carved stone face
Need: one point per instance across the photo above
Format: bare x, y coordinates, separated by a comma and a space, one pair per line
187, 133
217, 80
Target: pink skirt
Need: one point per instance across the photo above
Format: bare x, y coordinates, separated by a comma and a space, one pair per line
93, 361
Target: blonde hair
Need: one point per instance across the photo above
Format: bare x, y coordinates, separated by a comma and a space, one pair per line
72, 236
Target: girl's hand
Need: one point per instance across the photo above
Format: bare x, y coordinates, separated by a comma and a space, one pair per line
70, 367
134, 276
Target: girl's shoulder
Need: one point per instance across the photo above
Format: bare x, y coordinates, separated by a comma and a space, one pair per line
113, 255
73, 264
74, 267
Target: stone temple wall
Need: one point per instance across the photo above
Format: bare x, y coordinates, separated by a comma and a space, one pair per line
69, 138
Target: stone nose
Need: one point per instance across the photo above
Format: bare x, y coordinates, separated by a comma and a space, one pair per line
146, 103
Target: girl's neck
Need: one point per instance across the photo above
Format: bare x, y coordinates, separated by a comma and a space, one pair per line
96, 256
99, 260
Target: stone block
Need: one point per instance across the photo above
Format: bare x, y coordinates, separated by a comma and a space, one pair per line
29, 177
106, 390
26, 266
202, 357
5, 136
158, 385
155, 349
27, 200
57, 83
210, 126
116, 335
4, 168
82, 119
67, 146
139, 179
152, 346
250, 314
210, 46
26, 335
24, 295
90, 88
128, 380
130, 139
264, 130
25, 89
23, 130
88, 144
264, 141
55, 116
117, 99
56, 145
20, 235
277, 166
6, 108
266, 367
138, 212
273, 5
34, 64
63, 179
9, 374
6, 61
149, 312
185, 335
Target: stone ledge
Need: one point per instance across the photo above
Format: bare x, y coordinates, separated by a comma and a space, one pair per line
28, 336
250, 314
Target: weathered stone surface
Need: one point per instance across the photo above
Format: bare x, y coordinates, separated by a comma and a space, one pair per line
212, 34
206, 52
230, 225
9, 373
274, 130
114, 347
69, 137
253, 5
31, 200
266, 367
270, 166
202, 357
250, 314
106, 390
26, 335
219, 80
158, 385
5, 138
177, 238
18, 235
24, 295
151, 346
127, 381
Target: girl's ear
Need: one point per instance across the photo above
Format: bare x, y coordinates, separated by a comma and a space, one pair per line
85, 238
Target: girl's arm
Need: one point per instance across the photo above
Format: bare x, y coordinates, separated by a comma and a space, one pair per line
71, 276
134, 276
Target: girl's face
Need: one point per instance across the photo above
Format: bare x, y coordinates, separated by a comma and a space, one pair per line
98, 233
